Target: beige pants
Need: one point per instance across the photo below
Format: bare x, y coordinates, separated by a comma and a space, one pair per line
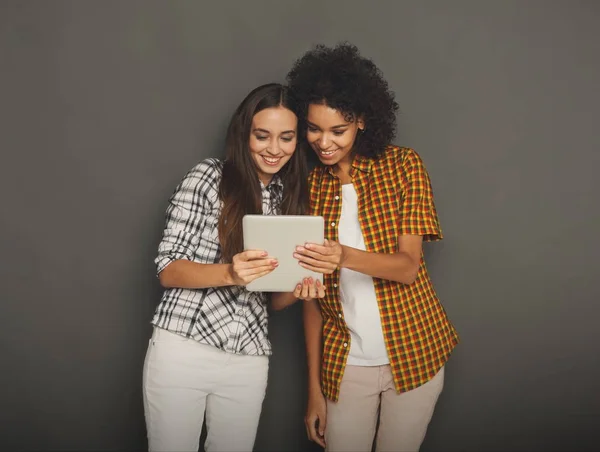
184, 379
352, 421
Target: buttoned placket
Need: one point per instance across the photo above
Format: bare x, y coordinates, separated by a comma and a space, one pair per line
333, 226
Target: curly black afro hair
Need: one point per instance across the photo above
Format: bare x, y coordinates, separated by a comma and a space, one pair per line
344, 80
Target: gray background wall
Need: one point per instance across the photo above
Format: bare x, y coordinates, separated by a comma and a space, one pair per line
105, 105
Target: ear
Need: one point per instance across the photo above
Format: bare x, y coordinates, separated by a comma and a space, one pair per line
360, 122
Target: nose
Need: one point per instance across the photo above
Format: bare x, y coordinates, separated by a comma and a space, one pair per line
323, 141
273, 149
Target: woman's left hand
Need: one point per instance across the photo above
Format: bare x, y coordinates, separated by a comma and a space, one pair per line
309, 289
324, 258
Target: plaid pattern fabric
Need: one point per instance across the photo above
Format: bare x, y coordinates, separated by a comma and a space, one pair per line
229, 318
394, 198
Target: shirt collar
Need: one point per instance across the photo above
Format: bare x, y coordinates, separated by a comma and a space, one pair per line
275, 182
360, 163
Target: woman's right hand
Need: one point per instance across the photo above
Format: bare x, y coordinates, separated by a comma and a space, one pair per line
325, 258
250, 265
316, 418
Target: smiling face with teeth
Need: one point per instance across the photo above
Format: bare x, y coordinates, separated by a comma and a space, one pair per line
331, 135
272, 140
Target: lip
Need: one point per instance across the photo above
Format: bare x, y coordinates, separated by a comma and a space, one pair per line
271, 161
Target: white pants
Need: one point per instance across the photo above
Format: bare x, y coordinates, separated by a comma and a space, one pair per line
183, 379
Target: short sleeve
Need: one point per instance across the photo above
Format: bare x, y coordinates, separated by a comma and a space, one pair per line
418, 215
186, 215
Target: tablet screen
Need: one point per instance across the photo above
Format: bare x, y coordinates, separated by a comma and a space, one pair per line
279, 235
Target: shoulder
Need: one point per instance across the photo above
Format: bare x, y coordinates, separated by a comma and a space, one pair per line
402, 155
400, 158
210, 168
207, 171
203, 179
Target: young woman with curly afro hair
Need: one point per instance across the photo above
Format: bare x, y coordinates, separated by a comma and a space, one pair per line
378, 340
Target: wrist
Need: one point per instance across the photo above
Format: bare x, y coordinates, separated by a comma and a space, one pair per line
345, 256
281, 300
314, 388
228, 279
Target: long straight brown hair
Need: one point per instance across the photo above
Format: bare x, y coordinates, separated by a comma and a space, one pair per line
240, 190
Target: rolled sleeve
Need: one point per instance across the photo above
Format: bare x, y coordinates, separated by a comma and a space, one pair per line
186, 215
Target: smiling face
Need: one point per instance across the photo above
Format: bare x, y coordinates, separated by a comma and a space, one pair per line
330, 135
272, 140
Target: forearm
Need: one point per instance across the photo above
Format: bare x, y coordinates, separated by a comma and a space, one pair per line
399, 267
281, 300
313, 332
192, 275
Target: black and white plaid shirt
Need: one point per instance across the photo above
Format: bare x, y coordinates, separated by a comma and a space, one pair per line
229, 318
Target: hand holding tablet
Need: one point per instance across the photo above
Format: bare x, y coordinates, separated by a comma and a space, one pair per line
321, 258
309, 289
250, 265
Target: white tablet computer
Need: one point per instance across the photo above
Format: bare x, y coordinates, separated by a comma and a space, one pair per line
279, 235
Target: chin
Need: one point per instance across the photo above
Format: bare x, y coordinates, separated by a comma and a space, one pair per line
272, 171
327, 162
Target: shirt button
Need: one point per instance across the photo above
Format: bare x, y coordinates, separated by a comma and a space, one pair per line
345, 344
333, 223
340, 316
337, 197
334, 285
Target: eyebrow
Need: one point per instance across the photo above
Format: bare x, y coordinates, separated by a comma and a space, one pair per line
339, 126
267, 131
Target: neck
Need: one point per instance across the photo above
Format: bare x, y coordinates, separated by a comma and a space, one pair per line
344, 166
265, 179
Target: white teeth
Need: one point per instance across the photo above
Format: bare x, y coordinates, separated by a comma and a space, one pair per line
271, 160
327, 153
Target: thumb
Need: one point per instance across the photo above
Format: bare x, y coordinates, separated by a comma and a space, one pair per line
322, 424
252, 254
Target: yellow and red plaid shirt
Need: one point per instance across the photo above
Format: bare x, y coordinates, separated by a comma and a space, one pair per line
394, 198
